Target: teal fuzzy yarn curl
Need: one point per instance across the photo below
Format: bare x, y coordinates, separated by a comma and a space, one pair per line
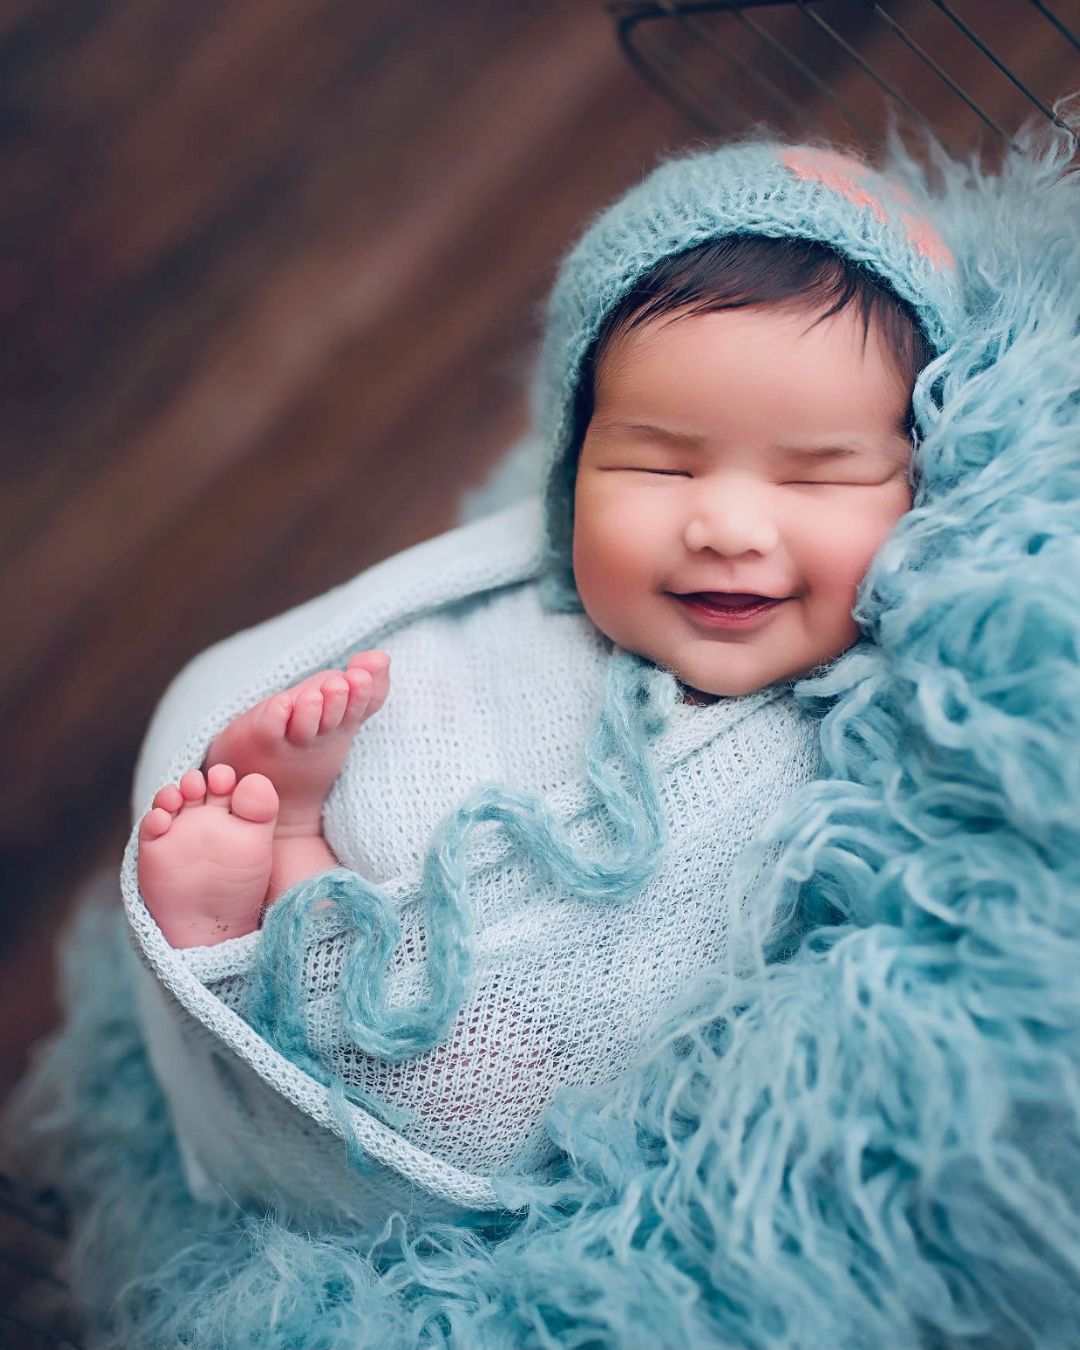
862, 1130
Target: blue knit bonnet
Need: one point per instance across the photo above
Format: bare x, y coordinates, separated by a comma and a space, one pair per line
748, 188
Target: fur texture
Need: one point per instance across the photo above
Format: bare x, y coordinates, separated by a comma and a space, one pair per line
863, 1132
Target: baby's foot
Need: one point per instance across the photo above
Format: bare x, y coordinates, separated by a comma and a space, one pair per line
205, 851
301, 737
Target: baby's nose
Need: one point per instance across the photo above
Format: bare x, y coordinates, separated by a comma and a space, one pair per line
731, 523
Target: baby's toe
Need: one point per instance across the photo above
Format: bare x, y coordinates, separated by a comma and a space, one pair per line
335, 695
306, 716
169, 798
220, 781
380, 687
360, 690
274, 717
375, 663
154, 824
255, 798
193, 786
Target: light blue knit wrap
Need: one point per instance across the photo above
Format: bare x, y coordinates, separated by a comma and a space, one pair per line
638, 700
865, 1133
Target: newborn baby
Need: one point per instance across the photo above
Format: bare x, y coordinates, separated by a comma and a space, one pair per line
738, 470
732, 447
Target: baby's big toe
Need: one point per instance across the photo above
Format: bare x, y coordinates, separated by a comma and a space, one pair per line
360, 690
375, 662
255, 798
368, 674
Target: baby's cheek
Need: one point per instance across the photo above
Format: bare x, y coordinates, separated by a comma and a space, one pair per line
858, 535
599, 535
892, 512
607, 561
596, 572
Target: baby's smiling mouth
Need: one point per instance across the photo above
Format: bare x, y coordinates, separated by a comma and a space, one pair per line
731, 598
728, 608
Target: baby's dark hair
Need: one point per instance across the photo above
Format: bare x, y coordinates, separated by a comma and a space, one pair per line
737, 271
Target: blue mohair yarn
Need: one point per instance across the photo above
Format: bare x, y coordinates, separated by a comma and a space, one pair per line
862, 1131
638, 700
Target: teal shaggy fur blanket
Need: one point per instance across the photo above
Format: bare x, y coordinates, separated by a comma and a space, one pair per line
861, 1133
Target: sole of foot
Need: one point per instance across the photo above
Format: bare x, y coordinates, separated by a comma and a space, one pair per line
300, 738
205, 854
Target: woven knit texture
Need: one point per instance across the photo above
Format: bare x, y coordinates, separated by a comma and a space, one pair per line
860, 1128
565, 985
432, 1035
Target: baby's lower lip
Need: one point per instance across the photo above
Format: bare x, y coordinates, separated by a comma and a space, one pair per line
728, 616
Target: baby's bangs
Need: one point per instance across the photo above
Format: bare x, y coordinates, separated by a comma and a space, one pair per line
741, 271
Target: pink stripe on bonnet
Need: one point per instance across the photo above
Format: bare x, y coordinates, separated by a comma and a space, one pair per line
849, 176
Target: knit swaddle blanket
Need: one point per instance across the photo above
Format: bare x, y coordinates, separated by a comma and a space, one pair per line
487, 687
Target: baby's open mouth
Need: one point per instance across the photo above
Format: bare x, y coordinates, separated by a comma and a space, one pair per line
728, 607
735, 598
730, 600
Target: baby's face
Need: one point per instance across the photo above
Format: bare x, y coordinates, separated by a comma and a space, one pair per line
695, 476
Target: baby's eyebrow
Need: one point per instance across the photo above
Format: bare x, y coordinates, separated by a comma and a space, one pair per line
822, 453
818, 454
895, 452
683, 439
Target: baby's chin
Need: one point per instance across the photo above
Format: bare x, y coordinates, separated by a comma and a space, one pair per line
708, 690
696, 696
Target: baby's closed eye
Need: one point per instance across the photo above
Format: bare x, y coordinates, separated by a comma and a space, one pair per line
799, 482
